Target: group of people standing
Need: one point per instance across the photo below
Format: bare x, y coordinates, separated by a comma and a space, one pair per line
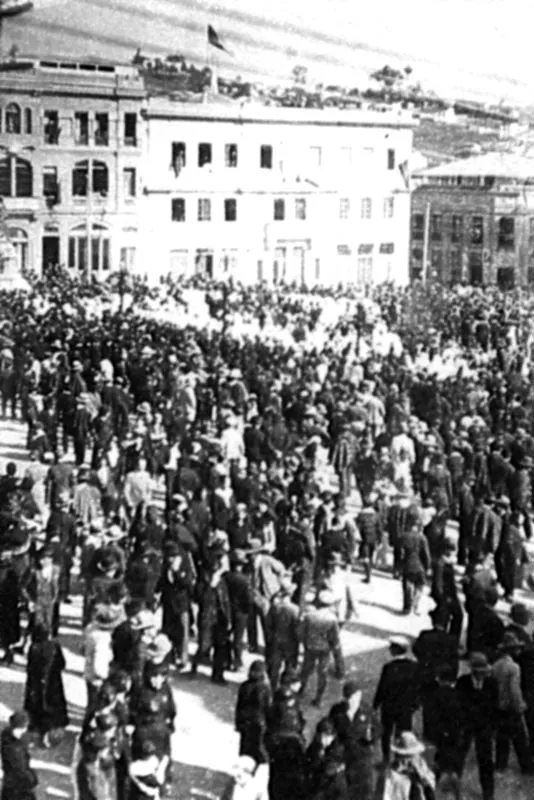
185, 477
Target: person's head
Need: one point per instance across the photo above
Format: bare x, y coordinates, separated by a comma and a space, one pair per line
19, 722
479, 666
11, 469
155, 675
243, 770
406, 746
352, 694
325, 732
519, 614
290, 679
257, 670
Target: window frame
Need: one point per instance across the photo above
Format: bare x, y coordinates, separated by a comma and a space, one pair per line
279, 209
230, 209
204, 209
266, 156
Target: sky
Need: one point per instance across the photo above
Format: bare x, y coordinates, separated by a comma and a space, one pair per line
460, 48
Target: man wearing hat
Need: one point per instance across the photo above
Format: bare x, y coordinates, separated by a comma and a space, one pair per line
320, 637
479, 698
20, 781
444, 591
511, 707
281, 629
396, 695
356, 732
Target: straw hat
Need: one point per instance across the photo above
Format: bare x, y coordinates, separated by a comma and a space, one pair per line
407, 744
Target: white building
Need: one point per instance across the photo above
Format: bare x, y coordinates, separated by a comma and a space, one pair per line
263, 193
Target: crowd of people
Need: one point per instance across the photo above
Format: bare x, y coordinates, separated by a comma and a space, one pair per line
197, 477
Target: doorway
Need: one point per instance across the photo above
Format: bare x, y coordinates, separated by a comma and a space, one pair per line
50, 253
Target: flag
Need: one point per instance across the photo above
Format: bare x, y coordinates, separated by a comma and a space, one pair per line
213, 39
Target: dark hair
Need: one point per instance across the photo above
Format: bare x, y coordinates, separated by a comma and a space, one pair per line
256, 670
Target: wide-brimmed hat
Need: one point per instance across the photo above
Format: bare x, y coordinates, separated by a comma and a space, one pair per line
400, 643
326, 598
107, 617
142, 621
159, 649
478, 662
510, 642
407, 744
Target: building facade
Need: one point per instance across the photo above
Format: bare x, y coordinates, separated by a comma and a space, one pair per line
71, 144
275, 194
472, 221
96, 176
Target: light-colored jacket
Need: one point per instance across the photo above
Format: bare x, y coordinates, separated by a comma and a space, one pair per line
98, 653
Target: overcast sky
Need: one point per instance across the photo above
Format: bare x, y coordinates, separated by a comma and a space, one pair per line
458, 47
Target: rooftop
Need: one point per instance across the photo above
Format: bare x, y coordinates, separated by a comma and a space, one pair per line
495, 165
223, 109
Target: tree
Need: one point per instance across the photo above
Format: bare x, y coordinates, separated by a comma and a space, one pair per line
300, 75
138, 58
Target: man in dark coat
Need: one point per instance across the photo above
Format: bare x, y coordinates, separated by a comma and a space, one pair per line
434, 649
444, 591
397, 694
370, 530
61, 531
415, 563
478, 694
466, 513
488, 627
355, 731
20, 780
176, 585
282, 629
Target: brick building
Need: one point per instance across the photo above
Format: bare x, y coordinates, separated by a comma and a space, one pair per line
473, 221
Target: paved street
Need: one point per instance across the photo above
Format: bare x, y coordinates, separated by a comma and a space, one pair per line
205, 744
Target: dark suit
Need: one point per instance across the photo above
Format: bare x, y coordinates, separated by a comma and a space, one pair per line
433, 649
356, 736
478, 723
397, 697
19, 779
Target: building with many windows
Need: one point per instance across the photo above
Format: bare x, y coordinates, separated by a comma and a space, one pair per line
265, 193
473, 221
97, 176
70, 156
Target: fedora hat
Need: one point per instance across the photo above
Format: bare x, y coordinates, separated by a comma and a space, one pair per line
407, 744
107, 617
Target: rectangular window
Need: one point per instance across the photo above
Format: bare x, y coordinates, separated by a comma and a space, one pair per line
266, 156
279, 209
230, 210
365, 249
105, 254
435, 227
418, 227
300, 208
316, 156
436, 260
387, 249
506, 235
178, 209
476, 269
100, 178
365, 270
366, 208
477, 230
127, 259
456, 228
129, 182
391, 159
50, 186
72, 252
455, 261
230, 155
80, 179
344, 208
130, 129
178, 156
81, 128
531, 232
343, 250
204, 209
51, 127
389, 207
82, 253
102, 129
204, 154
